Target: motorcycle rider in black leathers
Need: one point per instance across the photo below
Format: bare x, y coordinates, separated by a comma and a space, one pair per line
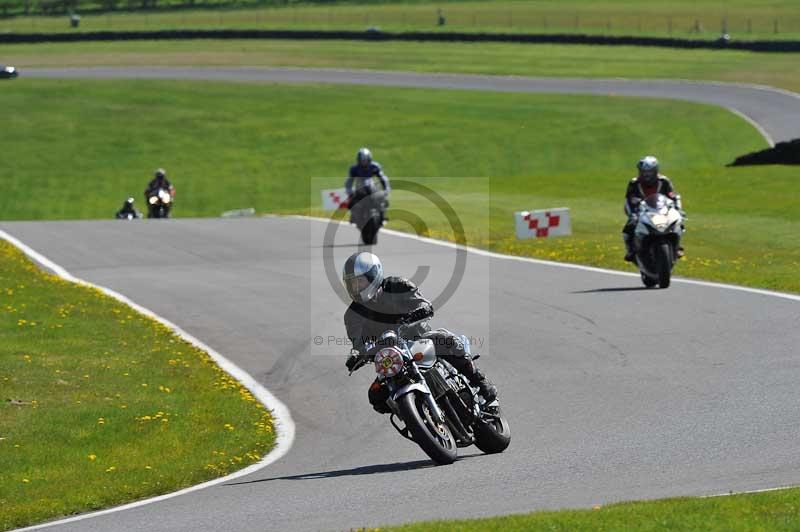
361, 182
649, 181
128, 211
380, 304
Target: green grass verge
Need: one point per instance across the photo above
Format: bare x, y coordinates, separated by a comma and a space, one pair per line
703, 19
779, 70
101, 405
776, 511
81, 147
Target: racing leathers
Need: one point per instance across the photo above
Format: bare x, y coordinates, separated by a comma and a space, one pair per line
637, 191
399, 301
361, 182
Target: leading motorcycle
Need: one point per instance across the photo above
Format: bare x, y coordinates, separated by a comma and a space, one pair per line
657, 238
367, 212
159, 203
438, 407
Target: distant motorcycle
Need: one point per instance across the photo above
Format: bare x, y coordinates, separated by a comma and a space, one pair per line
657, 238
128, 212
439, 408
159, 203
368, 213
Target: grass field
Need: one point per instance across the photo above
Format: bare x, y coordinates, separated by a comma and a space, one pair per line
775, 511
101, 405
704, 19
249, 145
779, 70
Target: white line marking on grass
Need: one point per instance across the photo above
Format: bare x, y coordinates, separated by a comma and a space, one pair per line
284, 425
495, 255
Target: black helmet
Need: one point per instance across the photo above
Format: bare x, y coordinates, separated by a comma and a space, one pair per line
364, 157
161, 173
648, 170
362, 276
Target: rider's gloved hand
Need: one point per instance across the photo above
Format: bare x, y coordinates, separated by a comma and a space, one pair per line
352, 361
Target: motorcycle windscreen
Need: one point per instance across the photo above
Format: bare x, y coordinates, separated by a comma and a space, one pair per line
656, 201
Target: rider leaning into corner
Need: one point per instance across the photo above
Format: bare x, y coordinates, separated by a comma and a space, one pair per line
649, 181
380, 304
361, 182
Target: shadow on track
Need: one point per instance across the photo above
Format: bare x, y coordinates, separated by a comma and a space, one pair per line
617, 289
356, 471
364, 470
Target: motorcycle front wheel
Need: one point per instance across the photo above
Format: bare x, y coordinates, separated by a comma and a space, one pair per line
492, 433
369, 233
664, 264
433, 437
649, 282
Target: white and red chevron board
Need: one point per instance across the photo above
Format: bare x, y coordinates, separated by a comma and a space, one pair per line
543, 224
334, 198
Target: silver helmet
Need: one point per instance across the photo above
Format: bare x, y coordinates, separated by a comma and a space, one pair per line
364, 156
648, 169
363, 276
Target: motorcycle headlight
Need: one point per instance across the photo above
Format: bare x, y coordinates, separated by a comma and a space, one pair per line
389, 362
153, 200
659, 221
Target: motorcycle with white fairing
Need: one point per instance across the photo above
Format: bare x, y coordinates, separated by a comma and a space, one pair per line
159, 203
438, 407
657, 239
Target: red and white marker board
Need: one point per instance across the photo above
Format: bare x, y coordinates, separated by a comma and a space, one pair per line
543, 224
334, 198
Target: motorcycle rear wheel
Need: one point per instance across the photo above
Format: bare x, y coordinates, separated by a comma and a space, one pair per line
434, 438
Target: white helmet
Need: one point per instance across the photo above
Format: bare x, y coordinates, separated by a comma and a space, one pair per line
648, 169
363, 276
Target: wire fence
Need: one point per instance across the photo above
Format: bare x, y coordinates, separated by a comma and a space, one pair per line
481, 17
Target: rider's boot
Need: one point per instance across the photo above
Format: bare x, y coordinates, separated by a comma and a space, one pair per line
630, 253
485, 386
627, 239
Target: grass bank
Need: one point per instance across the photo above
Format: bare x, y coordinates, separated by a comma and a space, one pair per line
703, 19
101, 405
230, 146
779, 70
775, 510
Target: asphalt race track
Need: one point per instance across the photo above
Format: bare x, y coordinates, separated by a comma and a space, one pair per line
776, 111
613, 392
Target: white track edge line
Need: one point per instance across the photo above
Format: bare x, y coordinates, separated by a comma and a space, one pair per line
567, 265
748, 492
284, 425
755, 124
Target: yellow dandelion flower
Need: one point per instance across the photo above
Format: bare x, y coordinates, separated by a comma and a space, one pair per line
92, 457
